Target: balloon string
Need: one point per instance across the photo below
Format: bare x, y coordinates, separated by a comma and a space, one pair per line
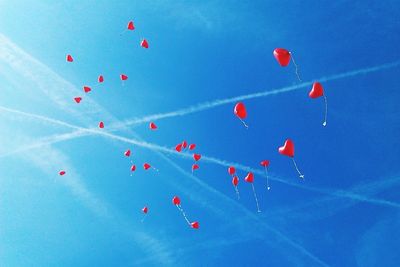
237, 192
296, 67
183, 213
266, 174
297, 169
255, 197
326, 110
245, 125
144, 217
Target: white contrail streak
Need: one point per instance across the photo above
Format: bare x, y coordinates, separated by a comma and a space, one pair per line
154, 147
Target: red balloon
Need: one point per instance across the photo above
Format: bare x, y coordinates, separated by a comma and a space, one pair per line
235, 180
123, 77
100, 79
146, 166
184, 144
152, 126
130, 26
61, 173
240, 110
145, 209
133, 168
78, 99
316, 91
101, 125
196, 157
249, 177
195, 167
231, 170
282, 56
127, 153
264, 163
144, 44
195, 225
87, 89
69, 58
287, 149
176, 200
192, 146
178, 147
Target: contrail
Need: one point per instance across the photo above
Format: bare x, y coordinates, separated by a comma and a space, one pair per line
154, 147
219, 102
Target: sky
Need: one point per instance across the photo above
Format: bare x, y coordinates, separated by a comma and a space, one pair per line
203, 58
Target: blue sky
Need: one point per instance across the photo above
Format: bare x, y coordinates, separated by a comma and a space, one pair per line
203, 57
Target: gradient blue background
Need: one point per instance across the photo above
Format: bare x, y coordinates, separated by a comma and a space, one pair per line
199, 51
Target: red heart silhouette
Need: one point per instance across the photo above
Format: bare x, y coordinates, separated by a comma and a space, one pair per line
146, 166
127, 153
192, 146
144, 43
316, 91
153, 126
195, 167
101, 125
176, 200
196, 157
282, 56
195, 225
87, 89
123, 77
249, 177
131, 26
287, 149
69, 58
235, 180
78, 99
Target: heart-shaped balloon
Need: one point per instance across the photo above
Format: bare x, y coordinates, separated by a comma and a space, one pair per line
152, 126
192, 146
127, 153
100, 79
195, 225
145, 210
249, 177
144, 44
101, 125
264, 163
78, 99
316, 91
130, 26
195, 167
176, 200
240, 110
178, 147
61, 173
184, 144
287, 149
146, 166
69, 58
133, 168
282, 56
123, 77
196, 157
87, 89
231, 170
235, 180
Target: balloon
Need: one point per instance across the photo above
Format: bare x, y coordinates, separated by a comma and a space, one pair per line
282, 56
184, 144
133, 168
240, 110
249, 177
87, 89
235, 180
196, 157
101, 125
178, 147
231, 170
78, 99
195, 167
61, 173
144, 44
192, 146
127, 153
195, 225
145, 209
287, 149
152, 126
176, 200
317, 91
100, 79
264, 163
146, 166
123, 77
69, 58
130, 26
